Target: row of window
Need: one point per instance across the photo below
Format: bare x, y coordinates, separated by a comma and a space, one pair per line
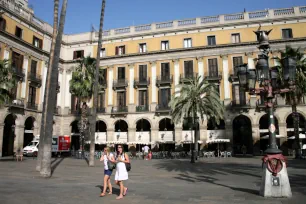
19, 34
211, 41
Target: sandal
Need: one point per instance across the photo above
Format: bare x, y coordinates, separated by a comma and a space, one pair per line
102, 194
125, 192
119, 197
110, 193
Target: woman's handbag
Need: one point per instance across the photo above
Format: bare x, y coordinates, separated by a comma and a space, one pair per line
128, 166
111, 165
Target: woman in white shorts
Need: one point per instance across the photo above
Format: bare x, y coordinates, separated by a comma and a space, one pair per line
121, 172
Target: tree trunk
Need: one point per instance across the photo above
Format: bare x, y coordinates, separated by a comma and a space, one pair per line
95, 96
296, 120
46, 158
196, 146
47, 87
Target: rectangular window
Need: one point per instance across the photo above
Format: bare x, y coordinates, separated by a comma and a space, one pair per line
236, 38
121, 99
142, 47
78, 54
239, 95
37, 42
143, 97
102, 52
2, 24
103, 77
164, 97
142, 72
33, 67
211, 40
188, 68
237, 61
287, 33
164, 45
120, 50
101, 100
121, 73
74, 103
187, 42
165, 70
213, 67
32, 95
18, 32
17, 61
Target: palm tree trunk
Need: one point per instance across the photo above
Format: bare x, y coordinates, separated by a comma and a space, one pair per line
296, 120
196, 147
95, 96
48, 87
51, 98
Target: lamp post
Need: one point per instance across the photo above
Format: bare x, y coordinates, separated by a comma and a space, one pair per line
268, 80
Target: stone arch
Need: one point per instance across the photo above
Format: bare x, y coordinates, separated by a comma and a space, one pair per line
242, 134
122, 125
98, 122
115, 121
145, 118
8, 135
264, 113
149, 126
290, 112
29, 126
168, 123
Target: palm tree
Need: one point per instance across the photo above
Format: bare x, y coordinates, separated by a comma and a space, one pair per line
7, 81
47, 88
196, 98
296, 96
95, 96
51, 98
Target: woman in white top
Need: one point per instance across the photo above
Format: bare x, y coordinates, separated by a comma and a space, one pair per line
108, 156
121, 172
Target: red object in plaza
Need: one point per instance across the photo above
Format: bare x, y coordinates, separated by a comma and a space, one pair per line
64, 143
274, 162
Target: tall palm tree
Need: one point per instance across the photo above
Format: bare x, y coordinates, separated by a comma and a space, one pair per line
296, 96
47, 87
7, 81
95, 96
197, 98
51, 98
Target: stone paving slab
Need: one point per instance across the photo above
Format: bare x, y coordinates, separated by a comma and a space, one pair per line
214, 181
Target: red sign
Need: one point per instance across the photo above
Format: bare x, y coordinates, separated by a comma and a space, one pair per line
64, 143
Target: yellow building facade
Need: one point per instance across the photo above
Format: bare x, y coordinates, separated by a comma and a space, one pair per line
143, 67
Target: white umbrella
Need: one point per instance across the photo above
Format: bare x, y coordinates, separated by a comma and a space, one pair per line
267, 137
218, 141
301, 136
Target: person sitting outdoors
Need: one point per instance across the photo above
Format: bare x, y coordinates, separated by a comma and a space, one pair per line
19, 154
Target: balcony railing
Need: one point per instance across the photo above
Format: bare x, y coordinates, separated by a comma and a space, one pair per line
19, 73
188, 77
35, 78
241, 104
32, 106
16, 103
101, 110
120, 83
142, 108
141, 82
164, 80
120, 109
213, 77
163, 108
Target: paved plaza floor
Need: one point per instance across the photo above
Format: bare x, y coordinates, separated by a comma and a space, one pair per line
209, 181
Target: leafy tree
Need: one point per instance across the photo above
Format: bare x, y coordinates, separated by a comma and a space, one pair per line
197, 98
7, 81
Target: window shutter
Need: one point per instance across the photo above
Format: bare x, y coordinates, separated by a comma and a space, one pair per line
74, 55
82, 53
144, 71
123, 50
116, 50
40, 43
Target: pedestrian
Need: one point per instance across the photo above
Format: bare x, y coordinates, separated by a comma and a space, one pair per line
150, 155
109, 161
146, 152
121, 172
244, 150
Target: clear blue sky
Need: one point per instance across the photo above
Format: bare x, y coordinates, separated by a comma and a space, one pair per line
121, 13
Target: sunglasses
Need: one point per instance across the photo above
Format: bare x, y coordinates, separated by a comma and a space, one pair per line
120, 147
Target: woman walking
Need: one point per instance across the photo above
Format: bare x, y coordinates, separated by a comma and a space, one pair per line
121, 172
107, 158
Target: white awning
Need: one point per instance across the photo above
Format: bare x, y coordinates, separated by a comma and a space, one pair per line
217, 141
166, 142
139, 142
115, 142
267, 137
301, 136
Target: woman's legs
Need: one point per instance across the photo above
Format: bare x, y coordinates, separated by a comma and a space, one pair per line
110, 186
106, 178
120, 184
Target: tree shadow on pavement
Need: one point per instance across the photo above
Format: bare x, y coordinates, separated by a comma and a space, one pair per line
55, 163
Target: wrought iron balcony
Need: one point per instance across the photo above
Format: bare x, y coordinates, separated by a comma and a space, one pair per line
19, 73
188, 77
241, 104
163, 108
142, 82
214, 77
142, 108
100, 110
164, 80
35, 79
16, 103
32, 106
120, 84
120, 109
